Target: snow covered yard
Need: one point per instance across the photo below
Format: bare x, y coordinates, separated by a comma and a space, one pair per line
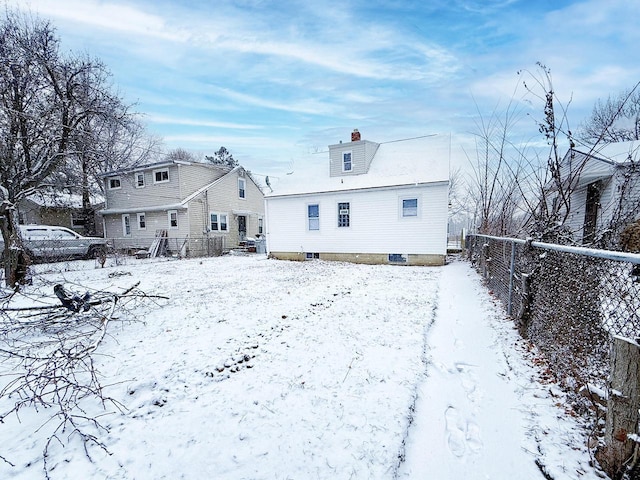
262, 369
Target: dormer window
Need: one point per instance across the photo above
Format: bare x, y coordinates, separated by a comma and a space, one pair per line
347, 165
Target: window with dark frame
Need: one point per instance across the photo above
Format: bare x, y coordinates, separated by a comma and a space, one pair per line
126, 225
313, 216
219, 222
161, 176
173, 219
140, 180
242, 187
114, 183
260, 225
343, 214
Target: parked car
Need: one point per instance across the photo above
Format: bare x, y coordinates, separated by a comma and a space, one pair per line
49, 242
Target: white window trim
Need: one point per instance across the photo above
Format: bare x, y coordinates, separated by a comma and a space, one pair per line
158, 171
244, 188
142, 214
401, 214
309, 229
125, 217
350, 213
169, 212
219, 222
109, 183
342, 161
135, 180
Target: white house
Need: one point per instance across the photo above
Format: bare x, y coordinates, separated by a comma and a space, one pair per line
365, 202
606, 189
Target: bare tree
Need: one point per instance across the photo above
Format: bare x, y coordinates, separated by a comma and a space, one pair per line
180, 154
47, 104
615, 120
52, 349
495, 187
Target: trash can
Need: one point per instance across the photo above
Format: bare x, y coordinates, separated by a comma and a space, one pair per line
261, 245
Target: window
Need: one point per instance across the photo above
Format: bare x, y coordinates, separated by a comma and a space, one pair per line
161, 176
114, 183
173, 218
139, 179
78, 219
346, 162
397, 258
312, 255
410, 207
313, 215
219, 222
126, 225
242, 183
343, 214
260, 229
142, 221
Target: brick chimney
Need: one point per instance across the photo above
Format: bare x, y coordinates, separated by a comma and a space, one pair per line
355, 135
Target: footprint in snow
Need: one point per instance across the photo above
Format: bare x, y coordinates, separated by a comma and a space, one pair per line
461, 435
456, 438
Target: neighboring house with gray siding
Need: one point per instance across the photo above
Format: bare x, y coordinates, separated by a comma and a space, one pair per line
188, 201
57, 207
605, 196
367, 202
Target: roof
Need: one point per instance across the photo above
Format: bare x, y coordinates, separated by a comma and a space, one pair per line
165, 163
58, 199
407, 162
617, 153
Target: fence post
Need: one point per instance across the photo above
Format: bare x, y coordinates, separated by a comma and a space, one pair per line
621, 427
512, 270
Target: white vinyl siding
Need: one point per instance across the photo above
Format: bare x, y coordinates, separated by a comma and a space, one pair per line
378, 229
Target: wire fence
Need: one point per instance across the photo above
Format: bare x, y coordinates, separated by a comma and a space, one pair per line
183, 247
568, 301
55, 254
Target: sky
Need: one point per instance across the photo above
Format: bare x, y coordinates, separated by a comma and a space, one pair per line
273, 81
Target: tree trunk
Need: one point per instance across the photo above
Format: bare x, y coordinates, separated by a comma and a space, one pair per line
16, 259
622, 409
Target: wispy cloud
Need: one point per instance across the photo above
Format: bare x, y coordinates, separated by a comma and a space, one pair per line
176, 120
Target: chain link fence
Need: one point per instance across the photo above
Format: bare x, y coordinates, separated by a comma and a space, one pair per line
568, 301
54, 254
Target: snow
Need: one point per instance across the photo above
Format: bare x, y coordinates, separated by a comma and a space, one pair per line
403, 162
264, 369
